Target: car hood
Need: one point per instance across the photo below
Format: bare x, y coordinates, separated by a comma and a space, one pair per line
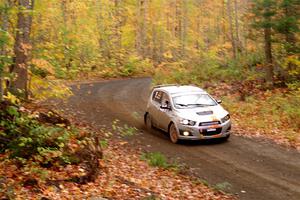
203, 114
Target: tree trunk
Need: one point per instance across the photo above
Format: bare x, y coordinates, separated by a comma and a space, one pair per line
161, 38
118, 35
141, 40
4, 27
223, 22
268, 55
22, 48
289, 35
66, 45
237, 34
180, 26
154, 48
183, 27
102, 33
232, 38
198, 31
178, 19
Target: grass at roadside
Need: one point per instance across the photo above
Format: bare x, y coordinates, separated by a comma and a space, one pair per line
157, 159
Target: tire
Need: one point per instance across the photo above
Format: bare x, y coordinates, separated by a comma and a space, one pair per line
226, 138
148, 122
173, 134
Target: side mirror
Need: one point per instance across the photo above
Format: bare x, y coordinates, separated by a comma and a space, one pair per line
165, 107
219, 101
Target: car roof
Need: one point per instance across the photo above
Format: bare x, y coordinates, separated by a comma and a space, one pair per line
179, 89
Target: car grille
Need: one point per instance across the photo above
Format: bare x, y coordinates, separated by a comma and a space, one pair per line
209, 123
209, 133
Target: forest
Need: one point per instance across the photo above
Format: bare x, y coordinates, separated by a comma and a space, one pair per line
243, 51
251, 46
224, 40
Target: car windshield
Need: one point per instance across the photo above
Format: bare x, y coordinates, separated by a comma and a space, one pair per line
193, 100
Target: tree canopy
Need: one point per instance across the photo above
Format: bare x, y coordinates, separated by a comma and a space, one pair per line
131, 37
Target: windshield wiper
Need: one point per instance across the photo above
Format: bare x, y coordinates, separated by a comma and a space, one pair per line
193, 104
198, 104
181, 104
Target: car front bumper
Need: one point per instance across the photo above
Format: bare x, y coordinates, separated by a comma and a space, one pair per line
204, 132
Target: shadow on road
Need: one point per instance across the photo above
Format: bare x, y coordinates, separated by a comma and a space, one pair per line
163, 135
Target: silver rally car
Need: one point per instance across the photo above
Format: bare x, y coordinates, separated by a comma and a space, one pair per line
186, 113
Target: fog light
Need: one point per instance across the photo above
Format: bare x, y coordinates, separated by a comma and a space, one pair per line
186, 133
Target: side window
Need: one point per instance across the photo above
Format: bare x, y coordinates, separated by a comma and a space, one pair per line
157, 96
165, 100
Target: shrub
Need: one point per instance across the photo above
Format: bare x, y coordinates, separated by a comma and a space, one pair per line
135, 66
24, 137
39, 71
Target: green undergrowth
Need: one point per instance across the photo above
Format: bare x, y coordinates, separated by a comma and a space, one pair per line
157, 159
224, 186
25, 138
42, 140
124, 130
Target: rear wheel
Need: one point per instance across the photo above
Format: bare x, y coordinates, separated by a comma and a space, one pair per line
148, 122
173, 134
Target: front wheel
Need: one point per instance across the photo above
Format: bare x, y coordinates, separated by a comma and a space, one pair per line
148, 122
173, 134
226, 138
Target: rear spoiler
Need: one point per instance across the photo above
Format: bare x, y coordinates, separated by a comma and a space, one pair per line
164, 85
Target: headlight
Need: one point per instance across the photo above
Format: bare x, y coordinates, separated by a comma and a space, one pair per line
225, 119
187, 122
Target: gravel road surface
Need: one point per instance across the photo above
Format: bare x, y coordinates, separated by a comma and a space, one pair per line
252, 169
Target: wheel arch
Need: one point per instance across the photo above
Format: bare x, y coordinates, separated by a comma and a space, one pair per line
145, 116
171, 122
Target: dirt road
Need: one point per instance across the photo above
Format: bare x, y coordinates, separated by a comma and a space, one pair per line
250, 168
